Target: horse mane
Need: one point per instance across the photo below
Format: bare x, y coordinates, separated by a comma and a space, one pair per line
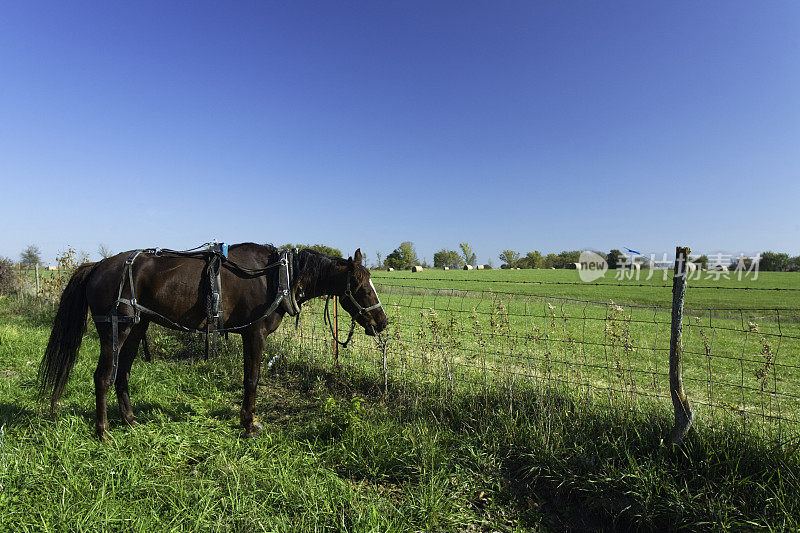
315, 265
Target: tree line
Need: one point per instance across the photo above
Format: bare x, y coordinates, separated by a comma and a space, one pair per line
405, 256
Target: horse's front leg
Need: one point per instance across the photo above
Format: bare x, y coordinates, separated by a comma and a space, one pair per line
253, 344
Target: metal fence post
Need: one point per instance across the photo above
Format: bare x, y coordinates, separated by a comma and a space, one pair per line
683, 410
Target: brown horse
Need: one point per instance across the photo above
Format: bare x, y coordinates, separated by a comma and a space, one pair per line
171, 290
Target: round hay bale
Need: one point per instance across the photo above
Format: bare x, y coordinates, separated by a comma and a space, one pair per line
467, 267
416, 268
481, 267
447, 268
391, 269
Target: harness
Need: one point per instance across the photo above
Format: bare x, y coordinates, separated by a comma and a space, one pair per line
215, 255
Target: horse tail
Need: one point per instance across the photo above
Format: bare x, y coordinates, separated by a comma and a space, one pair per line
66, 336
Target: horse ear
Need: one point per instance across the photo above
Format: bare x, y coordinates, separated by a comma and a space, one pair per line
357, 256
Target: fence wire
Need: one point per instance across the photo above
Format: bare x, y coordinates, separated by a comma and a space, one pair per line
741, 366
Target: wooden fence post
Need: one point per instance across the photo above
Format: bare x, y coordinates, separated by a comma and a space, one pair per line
336, 331
683, 409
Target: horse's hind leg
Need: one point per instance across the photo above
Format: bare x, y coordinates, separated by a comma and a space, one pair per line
102, 375
126, 356
253, 344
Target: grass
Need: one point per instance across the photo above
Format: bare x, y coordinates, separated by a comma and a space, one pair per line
338, 453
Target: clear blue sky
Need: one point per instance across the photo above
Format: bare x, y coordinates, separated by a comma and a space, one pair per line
523, 125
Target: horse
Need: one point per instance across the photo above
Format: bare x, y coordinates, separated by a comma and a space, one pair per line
171, 290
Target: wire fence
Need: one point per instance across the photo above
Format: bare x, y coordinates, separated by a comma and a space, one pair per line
741, 366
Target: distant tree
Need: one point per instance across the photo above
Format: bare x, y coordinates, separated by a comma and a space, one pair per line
104, 251
380, 260
321, 248
510, 258
774, 262
469, 255
568, 259
702, 262
447, 258
746, 262
403, 257
550, 261
612, 258
794, 264
31, 256
531, 260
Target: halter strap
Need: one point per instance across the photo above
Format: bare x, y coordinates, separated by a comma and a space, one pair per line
361, 309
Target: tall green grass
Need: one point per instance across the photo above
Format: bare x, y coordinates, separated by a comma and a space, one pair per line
741, 347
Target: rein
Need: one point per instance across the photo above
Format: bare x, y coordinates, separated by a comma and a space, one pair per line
329, 322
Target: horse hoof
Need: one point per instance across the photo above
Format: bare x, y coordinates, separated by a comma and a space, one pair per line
254, 430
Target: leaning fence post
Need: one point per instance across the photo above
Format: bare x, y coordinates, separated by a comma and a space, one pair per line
683, 410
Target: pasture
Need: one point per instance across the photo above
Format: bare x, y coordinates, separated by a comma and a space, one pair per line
490, 406
611, 338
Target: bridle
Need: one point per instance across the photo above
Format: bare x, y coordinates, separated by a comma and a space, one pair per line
360, 308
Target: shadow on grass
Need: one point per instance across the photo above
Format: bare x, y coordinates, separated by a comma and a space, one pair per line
147, 412
15, 415
578, 464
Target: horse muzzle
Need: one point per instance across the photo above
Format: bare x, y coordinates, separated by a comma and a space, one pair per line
373, 329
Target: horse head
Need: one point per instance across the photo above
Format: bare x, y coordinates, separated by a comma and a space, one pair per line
360, 299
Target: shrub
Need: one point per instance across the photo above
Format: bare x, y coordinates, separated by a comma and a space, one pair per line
9, 284
67, 262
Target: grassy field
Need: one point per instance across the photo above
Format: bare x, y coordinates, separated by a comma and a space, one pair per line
338, 453
657, 291
741, 339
